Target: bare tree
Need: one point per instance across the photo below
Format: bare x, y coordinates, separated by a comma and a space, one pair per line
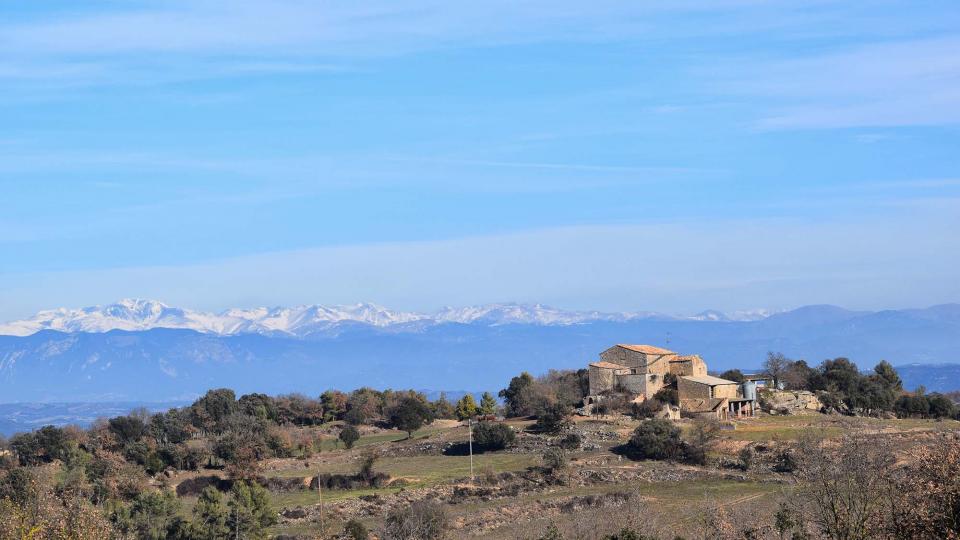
844, 485
776, 366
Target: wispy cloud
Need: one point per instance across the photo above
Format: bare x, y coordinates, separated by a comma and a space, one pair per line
899, 83
727, 264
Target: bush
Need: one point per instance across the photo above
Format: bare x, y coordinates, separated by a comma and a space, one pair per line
646, 409
555, 459
553, 418
667, 395
420, 521
702, 437
571, 442
493, 436
355, 530
349, 435
785, 462
746, 458
656, 439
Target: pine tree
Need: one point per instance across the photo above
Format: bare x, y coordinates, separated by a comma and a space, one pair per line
210, 516
250, 513
488, 404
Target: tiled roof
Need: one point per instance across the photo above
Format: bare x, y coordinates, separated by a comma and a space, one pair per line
707, 379
608, 365
646, 349
687, 358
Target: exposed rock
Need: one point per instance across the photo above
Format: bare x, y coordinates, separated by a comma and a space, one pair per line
789, 402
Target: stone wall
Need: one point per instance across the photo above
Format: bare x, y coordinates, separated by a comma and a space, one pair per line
601, 380
624, 357
688, 365
725, 390
689, 389
642, 362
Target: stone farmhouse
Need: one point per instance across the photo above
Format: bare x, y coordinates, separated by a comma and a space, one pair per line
643, 370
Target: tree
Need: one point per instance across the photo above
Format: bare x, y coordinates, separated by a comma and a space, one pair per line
260, 406
553, 418
488, 404
734, 375
442, 408
888, 375
409, 415
334, 405
128, 428
520, 395
363, 406
151, 515
210, 516
466, 407
250, 513
349, 435
656, 439
925, 499
211, 411
798, 376
775, 367
41, 446
843, 487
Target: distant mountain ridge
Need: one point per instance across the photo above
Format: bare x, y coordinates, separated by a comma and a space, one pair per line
476, 350
301, 321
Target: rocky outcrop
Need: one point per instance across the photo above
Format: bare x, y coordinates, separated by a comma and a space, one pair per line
789, 401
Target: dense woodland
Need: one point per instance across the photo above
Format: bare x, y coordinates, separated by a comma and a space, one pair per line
96, 483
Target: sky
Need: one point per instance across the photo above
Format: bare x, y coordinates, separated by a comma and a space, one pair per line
672, 156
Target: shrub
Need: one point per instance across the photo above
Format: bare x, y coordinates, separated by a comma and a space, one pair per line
493, 436
419, 521
553, 418
552, 533
702, 436
667, 395
571, 441
656, 439
554, 459
785, 462
349, 435
355, 530
646, 409
746, 458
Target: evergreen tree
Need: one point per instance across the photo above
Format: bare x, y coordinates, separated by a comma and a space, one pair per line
442, 408
466, 407
488, 404
250, 513
210, 516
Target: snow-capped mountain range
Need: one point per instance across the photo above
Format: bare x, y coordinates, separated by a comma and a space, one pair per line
300, 321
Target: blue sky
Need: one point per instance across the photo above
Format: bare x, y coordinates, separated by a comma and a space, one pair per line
674, 156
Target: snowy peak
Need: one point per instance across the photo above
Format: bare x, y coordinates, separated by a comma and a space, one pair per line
301, 321
496, 314
127, 314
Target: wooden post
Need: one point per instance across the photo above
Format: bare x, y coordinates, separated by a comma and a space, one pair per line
320, 495
470, 427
